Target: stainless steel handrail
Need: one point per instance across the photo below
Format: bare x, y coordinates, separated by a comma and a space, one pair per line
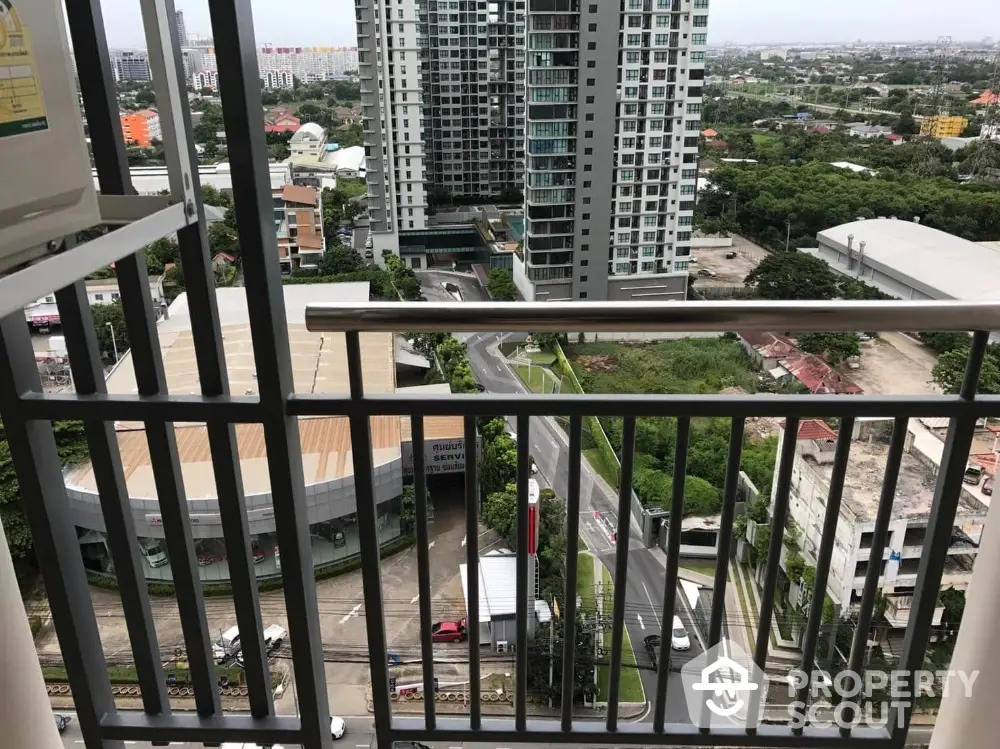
654, 316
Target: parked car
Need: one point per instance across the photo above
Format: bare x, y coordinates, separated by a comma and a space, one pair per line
274, 635
62, 721
973, 474
988, 487
652, 644
679, 639
449, 631
338, 727
153, 552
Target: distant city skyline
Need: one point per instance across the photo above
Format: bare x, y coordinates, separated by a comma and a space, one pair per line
331, 22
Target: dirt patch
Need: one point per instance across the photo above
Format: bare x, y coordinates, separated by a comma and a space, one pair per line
732, 390
888, 367
597, 363
729, 272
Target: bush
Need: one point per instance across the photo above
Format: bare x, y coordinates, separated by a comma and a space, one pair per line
35, 622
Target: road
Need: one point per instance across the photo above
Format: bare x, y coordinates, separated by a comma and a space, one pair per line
549, 447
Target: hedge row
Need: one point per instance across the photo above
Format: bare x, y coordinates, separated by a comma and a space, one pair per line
590, 422
331, 569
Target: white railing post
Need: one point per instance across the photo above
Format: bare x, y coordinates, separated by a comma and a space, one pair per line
25, 713
965, 716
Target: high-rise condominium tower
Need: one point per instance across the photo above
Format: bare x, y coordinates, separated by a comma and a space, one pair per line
181, 29
442, 94
614, 93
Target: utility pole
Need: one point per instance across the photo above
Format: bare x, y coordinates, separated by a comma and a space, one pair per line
114, 343
788, 233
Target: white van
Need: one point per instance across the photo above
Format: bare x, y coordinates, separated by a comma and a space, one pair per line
227, 645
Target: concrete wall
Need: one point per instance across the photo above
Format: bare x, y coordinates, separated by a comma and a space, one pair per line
661, 288
702, 243
547, 292
594, 201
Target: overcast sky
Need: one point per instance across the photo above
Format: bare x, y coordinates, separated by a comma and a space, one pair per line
331, 22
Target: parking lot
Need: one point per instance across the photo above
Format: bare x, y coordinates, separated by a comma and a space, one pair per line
341, 613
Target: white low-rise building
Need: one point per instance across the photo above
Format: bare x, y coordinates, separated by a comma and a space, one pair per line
810, 490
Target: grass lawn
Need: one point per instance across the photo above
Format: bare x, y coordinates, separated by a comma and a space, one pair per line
545, 358
688, 365
702, 567
585, 582
536, 380
630, 686
597, 462
761, 139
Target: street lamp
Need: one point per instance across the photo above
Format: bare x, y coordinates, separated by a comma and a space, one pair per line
114, 343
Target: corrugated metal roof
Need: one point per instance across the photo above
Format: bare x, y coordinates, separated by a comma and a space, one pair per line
954, 267
497, 586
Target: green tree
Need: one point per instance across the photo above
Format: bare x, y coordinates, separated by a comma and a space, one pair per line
403, 278
71, 445
500, 513
834, 347
949, 371
548, 646
222, 238
499, 466
211, 195
339, 259
408, 508
113, 315
427, 343
546, 341
500, 285
161, 252
792, 275
941, 341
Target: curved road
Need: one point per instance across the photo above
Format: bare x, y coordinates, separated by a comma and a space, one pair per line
549, 447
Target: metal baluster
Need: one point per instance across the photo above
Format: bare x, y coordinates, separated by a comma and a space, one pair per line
423, 567
572, 556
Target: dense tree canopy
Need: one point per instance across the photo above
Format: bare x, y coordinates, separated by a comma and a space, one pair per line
72, 446
793, 275
834, 347
765, 200
500, 285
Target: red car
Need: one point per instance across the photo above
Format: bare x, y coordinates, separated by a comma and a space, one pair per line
449, 631
988, 486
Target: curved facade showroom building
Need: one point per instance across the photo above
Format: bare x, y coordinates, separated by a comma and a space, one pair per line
319, 363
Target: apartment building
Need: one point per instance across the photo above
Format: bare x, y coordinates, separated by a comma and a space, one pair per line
614, 94
473, 102
943, 126
130, 65
182, 36
442, 105
279, 65
298, 221
908, 527
141, 128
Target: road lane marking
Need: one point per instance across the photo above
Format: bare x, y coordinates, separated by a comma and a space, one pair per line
412, 601
431, 544
641, 625
652, 607
464, 539
353, 612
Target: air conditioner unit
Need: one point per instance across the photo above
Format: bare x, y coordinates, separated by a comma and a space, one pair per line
502, 646
47, 191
